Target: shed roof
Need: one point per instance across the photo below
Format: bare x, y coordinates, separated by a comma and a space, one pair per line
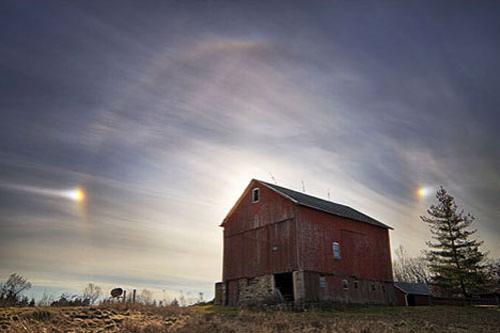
324, 205
413, 288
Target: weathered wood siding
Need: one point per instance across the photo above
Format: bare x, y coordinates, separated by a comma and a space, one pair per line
365, 249
260, 238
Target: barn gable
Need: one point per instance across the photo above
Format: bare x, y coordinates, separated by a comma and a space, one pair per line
309, 201
272, 206
238, 202
259, 235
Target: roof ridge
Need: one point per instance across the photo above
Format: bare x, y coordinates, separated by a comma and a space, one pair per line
303, 193
324, 205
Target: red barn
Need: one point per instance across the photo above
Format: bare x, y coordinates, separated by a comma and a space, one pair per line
281, 244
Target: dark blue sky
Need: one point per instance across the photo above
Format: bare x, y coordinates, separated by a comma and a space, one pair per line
163, 111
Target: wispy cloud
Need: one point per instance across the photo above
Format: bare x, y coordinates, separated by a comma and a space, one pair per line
165, 114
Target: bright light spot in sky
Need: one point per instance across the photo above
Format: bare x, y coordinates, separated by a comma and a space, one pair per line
78, 194
423, 191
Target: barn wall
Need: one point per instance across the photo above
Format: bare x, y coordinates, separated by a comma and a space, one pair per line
311, 287
260, 238
330, 288
365, 249
232, 292
400, 297
422, 300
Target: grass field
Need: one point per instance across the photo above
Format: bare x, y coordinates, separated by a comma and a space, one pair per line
212, 319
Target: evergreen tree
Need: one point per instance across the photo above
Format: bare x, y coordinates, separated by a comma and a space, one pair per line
455, 261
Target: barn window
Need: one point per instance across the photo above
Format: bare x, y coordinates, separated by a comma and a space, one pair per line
322, 282
345, 284
255, 195
355, 284
336, 250
373, 287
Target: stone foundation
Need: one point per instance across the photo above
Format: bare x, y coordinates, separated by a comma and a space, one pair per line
256, 290
308, 287
220, 294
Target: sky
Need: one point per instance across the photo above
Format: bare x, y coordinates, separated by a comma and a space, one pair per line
160, 113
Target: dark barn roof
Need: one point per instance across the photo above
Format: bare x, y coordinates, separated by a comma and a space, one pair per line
413, 288
324, 205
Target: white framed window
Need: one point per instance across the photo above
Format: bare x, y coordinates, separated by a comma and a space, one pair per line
322, 282
255, 195
336, 250
345, 284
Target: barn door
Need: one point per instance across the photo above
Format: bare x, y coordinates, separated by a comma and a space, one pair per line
284, 283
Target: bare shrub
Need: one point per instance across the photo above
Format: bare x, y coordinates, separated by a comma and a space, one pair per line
92, 292
410, 269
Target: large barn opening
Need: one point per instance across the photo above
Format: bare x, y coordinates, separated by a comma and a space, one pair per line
284, 283
411, 300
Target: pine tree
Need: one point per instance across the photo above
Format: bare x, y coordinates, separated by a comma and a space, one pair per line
455, 261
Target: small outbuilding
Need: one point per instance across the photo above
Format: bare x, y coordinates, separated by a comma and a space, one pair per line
412, 294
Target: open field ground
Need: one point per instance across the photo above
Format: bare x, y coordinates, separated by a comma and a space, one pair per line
212, 319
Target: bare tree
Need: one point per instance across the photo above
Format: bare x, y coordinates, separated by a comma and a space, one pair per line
11, 290
408, 269
493, 271
182, 299
175, 302
146, 296
46, 300
200, 297
92, 292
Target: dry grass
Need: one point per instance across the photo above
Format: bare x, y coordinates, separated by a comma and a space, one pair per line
141, 319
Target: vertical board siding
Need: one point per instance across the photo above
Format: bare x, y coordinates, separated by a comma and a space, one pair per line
252, 232
364, 248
